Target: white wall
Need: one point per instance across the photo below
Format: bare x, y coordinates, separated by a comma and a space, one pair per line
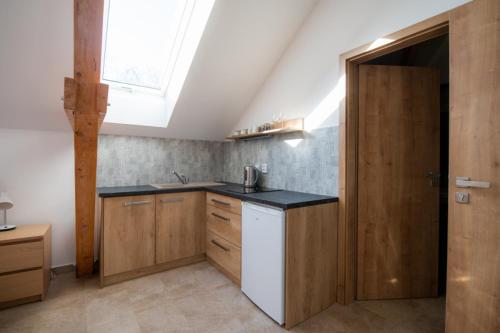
306, 81
37, 171
36, 53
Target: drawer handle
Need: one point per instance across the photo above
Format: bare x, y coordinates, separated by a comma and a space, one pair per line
171, 200
221, 217
219, 245
136, 203
221, 202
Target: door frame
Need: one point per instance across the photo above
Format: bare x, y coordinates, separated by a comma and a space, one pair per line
348, 136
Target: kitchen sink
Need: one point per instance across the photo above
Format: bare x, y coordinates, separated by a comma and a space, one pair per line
188, 185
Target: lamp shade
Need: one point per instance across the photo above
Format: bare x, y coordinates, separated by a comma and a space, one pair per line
5, 202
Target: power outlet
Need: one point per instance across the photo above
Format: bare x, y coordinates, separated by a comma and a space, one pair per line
263, 167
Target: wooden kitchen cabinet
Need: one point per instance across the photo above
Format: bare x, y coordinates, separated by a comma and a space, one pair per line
310, 260
146, 234
224, 235
180, 226
128, 233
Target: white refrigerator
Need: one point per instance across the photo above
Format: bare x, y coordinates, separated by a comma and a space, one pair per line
263, 258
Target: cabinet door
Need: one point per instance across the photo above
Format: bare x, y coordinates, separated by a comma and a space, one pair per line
180, 225
128, 233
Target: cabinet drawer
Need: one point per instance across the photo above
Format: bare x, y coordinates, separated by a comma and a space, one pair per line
20, 285
19, 256
225, 224
225, 254
225, 203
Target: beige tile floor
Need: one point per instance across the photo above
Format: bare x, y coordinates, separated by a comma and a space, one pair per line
198, 298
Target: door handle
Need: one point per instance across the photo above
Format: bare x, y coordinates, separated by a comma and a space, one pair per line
467, 182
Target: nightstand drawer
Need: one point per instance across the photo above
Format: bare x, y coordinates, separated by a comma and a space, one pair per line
225, 224
20, 285
20, 256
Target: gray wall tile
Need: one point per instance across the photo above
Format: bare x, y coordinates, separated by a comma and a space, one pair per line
126, 160
310, 166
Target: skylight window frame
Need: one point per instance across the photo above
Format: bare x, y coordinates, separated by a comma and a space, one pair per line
180, 35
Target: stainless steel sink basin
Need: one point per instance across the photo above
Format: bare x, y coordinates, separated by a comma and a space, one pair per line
188, 185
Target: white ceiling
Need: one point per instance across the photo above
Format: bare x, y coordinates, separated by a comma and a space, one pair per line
242, 43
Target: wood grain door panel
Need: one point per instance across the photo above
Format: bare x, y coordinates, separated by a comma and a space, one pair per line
397, 245
180, 225
473, 284
129, 233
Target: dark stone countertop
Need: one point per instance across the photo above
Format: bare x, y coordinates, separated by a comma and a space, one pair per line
280, 199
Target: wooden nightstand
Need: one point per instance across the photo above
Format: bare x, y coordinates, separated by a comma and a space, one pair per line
25, 260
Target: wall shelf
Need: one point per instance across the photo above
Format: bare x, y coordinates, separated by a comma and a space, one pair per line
284, 127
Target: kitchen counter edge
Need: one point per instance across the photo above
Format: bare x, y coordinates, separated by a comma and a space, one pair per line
307, 199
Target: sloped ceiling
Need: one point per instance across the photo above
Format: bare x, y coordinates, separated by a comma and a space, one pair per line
242, 42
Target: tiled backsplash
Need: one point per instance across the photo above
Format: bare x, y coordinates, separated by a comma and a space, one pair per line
128, 160
306, 163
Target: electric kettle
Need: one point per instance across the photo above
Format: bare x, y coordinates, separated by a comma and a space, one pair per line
250, 176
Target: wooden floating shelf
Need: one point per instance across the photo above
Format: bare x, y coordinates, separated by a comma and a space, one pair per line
287, 126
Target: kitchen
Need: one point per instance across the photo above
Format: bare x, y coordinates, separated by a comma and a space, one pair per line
248, 166
243, 236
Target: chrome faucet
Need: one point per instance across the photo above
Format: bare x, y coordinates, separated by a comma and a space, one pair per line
182, 178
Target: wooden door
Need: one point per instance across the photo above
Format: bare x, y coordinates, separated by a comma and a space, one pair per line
473, 284
128, 233
398, 206
180, 226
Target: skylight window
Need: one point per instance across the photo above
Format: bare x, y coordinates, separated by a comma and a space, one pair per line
148, 48
143, 40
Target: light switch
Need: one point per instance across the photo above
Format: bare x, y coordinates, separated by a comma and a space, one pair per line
263, 168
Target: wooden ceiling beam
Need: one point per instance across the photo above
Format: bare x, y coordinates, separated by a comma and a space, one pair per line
85, 103
70, 90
